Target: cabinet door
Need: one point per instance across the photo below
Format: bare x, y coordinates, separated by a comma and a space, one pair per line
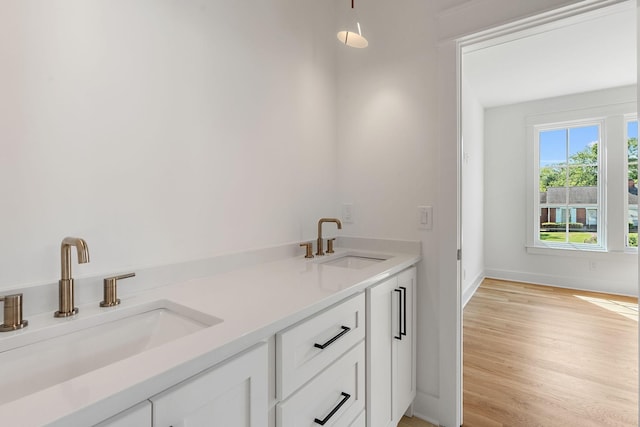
381, 327
138, 416
404, 350
232, 394
391, 347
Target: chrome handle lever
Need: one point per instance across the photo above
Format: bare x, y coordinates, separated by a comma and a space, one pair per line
110, 298
12, 313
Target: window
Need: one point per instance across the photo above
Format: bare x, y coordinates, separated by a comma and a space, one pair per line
582, 180
568, 177
631, 135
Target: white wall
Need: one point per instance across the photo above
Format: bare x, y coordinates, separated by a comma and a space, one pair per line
397, 134
161, 131
506, 203
387, 153
473, 239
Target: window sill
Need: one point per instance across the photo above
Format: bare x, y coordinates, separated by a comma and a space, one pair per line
597, 252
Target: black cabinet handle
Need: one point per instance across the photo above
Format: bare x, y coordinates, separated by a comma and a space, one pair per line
345, 397
345, 329
399, 336
403, 331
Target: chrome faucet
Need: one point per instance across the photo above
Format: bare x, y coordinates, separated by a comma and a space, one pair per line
65, 285
320, 243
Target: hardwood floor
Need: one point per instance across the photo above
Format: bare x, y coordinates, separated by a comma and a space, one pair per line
543, 356
414, 422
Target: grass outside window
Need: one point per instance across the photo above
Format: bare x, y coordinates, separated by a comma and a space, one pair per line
580, 237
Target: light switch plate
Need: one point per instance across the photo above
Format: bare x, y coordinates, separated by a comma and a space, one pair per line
347, 213
425, 217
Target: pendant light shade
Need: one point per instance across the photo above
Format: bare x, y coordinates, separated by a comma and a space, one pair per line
352, 36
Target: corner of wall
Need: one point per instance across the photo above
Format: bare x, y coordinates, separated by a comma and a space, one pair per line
425, 406
471, 288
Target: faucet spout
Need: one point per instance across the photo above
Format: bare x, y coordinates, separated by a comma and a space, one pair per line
320, 222
65, 284
65, 254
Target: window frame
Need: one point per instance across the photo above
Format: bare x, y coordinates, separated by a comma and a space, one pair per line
534, 237
614, 114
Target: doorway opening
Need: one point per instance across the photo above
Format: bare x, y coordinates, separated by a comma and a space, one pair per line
548, 76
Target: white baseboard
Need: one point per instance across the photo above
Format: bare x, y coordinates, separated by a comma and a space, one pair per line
426, 407
468, 292
570, 282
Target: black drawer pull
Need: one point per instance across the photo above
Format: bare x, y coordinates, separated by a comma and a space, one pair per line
345, 329
399, 336
345, 397
404, 311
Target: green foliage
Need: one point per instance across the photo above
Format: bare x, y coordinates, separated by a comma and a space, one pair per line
552, 176
582, 168
632, 153
633, 240
580, 171
632, 148
588, 156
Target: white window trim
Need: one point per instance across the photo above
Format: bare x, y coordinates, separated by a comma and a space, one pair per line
615, 112
601, 233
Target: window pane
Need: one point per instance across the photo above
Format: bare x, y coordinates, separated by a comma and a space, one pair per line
632, 197
569, 187
583, 225
553, 177
591, 223
553, 147
586, 178
583, 145
633, 226
552, 226
553, 161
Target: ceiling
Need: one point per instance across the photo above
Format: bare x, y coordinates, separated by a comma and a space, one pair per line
591, 53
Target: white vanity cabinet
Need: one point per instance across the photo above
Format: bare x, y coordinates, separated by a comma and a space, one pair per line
296, 343
138, 416
232, 394
391, 349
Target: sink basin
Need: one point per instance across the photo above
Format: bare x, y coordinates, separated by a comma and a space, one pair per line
355, 261
78, 346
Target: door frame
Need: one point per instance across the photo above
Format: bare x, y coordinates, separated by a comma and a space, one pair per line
472, 26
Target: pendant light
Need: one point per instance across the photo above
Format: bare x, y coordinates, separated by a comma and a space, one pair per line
353, 38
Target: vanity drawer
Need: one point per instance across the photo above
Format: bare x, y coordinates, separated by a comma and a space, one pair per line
336, 396
305, 349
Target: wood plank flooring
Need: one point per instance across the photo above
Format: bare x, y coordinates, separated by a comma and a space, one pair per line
543, 356
414, 422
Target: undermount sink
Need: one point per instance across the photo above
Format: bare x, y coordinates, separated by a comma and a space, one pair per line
30, 362
355, 261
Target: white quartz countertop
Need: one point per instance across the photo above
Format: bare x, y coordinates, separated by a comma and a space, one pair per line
254, 303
